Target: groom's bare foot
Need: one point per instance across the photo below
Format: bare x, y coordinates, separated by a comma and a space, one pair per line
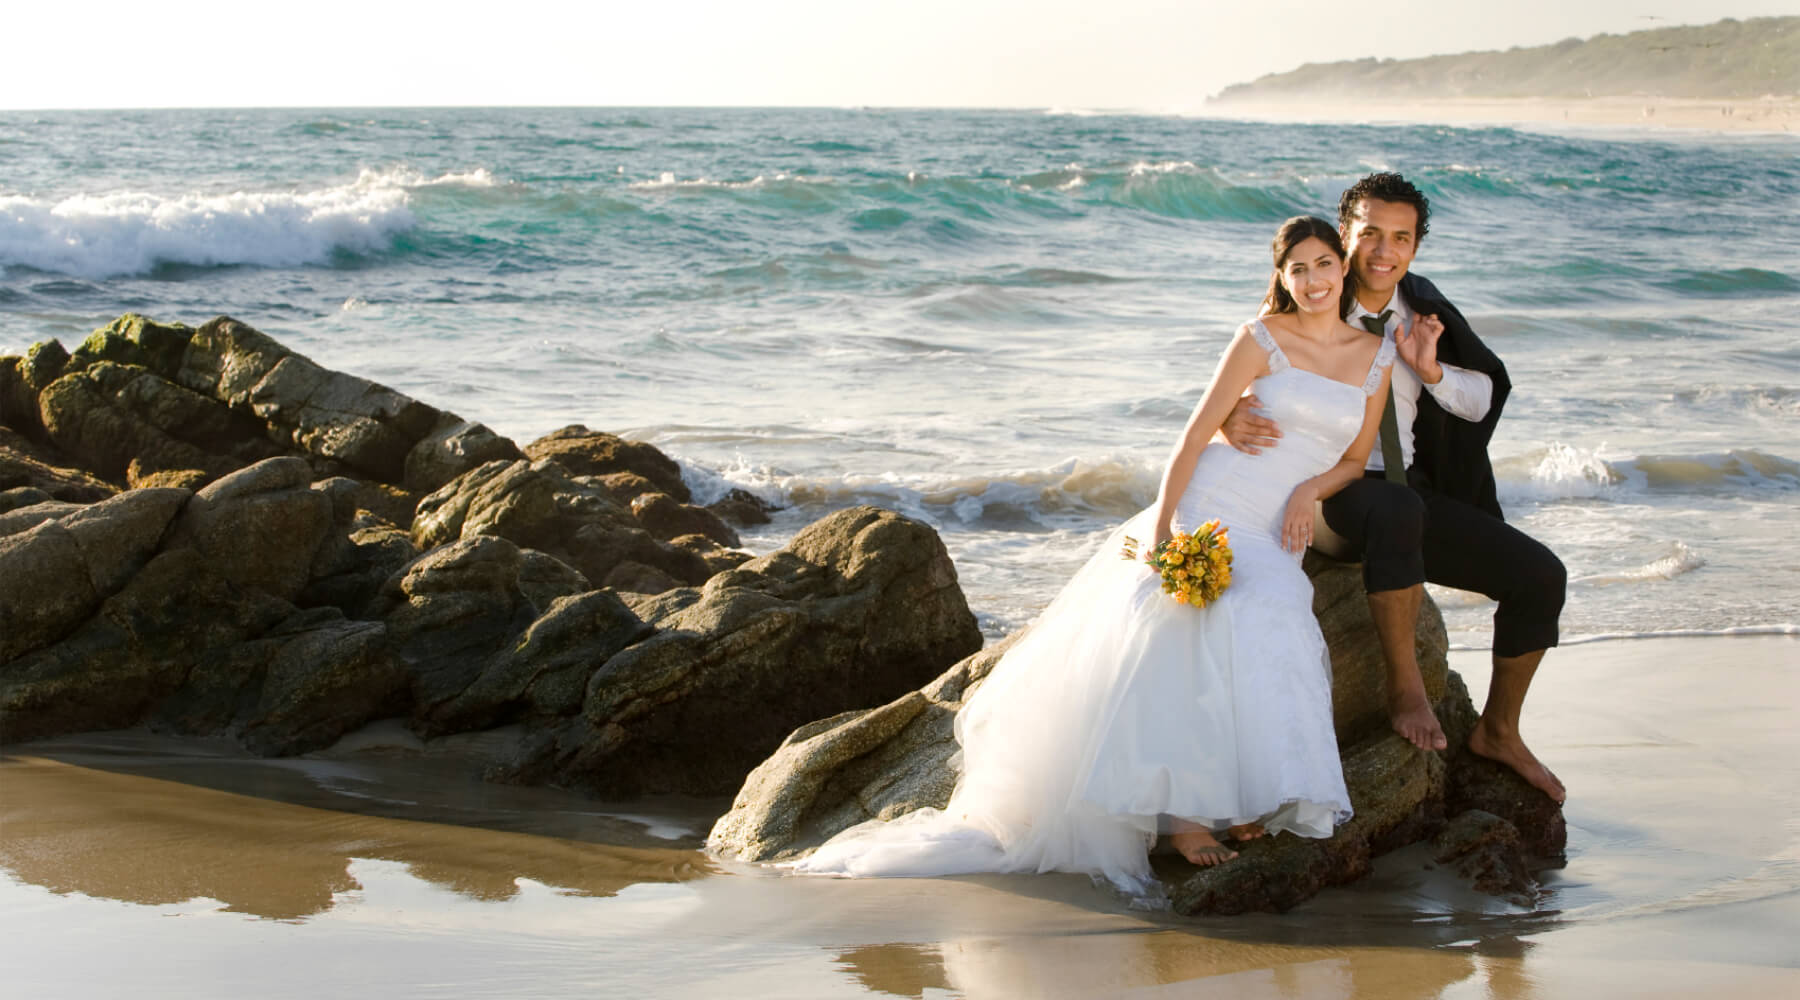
1411, 716
1246, 831
1511, 751
1201, 848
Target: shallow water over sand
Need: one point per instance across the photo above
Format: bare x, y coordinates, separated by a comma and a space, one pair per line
135, 864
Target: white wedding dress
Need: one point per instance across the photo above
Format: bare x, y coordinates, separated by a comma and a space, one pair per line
1120, 708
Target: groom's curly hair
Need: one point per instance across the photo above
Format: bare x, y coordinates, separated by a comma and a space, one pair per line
1385, 186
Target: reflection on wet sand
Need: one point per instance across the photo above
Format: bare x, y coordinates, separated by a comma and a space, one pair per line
1148, 962
153, 841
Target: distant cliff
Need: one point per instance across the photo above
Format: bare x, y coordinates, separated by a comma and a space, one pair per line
1728, 59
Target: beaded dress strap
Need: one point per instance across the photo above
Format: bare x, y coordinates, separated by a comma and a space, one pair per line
1384, 356
1266, 340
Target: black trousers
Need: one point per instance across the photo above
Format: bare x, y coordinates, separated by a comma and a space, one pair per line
1410, 534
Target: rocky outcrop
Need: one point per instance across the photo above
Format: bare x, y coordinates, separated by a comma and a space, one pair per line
204, 530
881, 763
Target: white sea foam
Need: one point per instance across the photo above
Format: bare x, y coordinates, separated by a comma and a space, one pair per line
667, 181
1680, 559
1778, 628
114, 233
1561, 472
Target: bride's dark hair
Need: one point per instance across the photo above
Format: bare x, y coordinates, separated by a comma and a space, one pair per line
1292, 233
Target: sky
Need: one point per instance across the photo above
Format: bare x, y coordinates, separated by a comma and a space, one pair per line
1159, 55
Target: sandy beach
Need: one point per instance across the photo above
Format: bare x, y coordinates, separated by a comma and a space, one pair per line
1769, 114
174, 868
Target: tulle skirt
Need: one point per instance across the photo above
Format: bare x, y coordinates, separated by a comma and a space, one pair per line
1121, 710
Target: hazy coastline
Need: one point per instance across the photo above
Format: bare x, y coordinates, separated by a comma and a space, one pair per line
1770, 114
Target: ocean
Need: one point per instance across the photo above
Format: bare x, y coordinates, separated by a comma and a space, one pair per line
995, 322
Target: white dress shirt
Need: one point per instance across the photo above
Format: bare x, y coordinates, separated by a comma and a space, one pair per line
1461, 392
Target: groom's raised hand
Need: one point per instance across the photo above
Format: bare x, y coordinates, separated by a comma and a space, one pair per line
1246, 430
1418, 348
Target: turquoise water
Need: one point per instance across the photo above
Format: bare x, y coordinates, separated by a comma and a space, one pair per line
996, 321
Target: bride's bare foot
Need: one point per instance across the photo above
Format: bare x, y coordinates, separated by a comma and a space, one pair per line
1411, 716
1246, 831
1200, 847
1510, 750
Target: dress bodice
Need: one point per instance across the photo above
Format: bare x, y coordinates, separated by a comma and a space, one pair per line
1319, 417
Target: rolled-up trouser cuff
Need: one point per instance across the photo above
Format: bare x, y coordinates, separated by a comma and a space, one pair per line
1518, 638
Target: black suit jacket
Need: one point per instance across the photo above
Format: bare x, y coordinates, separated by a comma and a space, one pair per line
1450, 453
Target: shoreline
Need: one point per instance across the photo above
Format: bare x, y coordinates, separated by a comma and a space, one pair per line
379, 871
1759, 115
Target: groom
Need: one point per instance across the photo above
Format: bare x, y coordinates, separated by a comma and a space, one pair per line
1426, 509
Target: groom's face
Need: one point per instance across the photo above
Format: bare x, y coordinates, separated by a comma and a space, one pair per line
1381, 238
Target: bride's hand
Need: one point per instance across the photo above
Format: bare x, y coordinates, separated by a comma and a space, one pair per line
1297, 521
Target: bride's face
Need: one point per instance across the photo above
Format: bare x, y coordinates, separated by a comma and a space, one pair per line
1313, 275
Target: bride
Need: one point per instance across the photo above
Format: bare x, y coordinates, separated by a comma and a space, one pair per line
1120, 713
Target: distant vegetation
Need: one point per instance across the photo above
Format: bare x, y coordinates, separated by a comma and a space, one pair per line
1738, 59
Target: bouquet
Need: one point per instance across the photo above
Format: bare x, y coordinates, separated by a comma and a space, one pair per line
1195, 569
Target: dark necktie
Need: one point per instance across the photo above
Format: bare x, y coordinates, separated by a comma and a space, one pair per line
1393, 466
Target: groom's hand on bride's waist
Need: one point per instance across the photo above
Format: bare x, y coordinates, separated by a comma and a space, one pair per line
1248, 431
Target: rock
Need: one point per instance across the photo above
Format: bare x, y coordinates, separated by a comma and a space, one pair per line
105, 418
22, 379
830, 775
135, 652
22, 496
624, 486
637, 578
326, 677
54, 575
24, 464
539, 505
1396, 791
716, 558
1358, 668
30, 516
1479, 784
666, 518
596, 453
136, 340
138, 477
366, 426
1486, 850
455, 447
350, 568
451, 610
812, 630
263, 526
743, 508
546, 672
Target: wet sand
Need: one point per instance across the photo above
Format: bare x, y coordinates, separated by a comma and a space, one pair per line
1775, 114
138, 865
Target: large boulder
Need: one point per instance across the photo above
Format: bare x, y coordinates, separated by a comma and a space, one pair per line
166, 605
263, 526
883, 762
1358, 668
860, 607
596, 453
